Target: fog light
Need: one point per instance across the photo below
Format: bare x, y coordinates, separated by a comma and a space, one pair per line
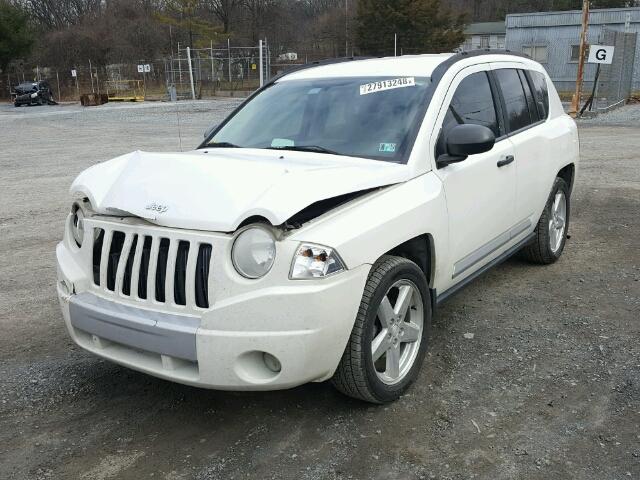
271, 362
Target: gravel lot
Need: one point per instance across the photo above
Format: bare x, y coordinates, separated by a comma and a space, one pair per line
548, 386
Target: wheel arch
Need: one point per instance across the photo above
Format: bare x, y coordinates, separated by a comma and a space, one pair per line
421, 251
567, 173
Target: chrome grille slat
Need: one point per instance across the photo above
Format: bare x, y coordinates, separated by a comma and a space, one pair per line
122, 261
190, 284
135, 274
153, 266
169, 296
104, 257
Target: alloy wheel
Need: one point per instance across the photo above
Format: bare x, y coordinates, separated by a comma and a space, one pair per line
557, 221
398, 332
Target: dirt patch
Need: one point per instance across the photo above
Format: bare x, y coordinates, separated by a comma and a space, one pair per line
548, 385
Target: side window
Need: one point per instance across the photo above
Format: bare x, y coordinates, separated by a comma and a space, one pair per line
514, 98
472, 103
541, 93
533, 111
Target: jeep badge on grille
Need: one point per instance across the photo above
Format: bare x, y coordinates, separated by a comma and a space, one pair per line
156, 207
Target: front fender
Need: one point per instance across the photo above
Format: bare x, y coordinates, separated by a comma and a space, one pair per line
365, 229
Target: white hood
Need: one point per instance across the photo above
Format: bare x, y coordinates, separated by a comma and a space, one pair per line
216, 190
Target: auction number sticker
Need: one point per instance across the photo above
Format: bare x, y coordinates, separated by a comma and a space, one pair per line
383, 85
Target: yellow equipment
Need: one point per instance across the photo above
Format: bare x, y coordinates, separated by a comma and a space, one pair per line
125, 90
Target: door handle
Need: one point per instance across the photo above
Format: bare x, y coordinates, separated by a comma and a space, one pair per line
506, 161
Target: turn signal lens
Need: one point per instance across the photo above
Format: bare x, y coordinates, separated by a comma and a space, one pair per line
315, 261
77, 224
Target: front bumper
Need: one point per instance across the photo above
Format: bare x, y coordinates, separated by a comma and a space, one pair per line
305, 325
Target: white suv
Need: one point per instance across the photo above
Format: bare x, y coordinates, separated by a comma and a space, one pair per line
312, 234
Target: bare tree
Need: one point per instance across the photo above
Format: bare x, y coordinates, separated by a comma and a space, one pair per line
224, 11
60, 13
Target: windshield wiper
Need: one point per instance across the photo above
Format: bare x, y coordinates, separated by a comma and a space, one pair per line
307, 148
222, 145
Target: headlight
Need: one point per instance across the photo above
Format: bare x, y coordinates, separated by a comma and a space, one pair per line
253, 252
77, 223
315, 261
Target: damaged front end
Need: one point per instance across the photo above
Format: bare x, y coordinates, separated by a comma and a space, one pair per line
32, 93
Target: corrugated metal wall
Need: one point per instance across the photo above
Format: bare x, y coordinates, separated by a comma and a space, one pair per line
558, 31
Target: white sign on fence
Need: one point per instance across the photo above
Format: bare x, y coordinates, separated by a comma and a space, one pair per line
147, 68
140, 68
601, 54
74, 73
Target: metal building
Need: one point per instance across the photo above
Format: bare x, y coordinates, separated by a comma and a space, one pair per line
553, 38
483, 35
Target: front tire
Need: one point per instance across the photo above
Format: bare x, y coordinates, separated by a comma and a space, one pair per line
551, 231
390, 336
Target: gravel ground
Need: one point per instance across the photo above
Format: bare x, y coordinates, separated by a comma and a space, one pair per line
547, 387
629, 115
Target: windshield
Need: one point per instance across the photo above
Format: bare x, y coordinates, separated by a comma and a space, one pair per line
371, 117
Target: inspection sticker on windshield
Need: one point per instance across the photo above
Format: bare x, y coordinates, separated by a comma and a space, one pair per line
387, 148
383, 85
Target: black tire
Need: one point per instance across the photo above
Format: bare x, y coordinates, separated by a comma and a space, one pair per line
540, 250
356, 374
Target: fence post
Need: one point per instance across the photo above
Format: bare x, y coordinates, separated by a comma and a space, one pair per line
91, 76
229, 49
261, 65
213, 75
58, 80
193, 91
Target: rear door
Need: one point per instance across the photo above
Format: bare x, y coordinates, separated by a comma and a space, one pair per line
525, 111
480, 194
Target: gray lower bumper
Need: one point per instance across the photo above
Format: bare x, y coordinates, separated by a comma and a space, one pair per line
163, 333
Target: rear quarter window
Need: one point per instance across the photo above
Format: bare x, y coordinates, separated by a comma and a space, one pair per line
541, 93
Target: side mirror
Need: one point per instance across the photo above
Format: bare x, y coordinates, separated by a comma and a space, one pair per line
464, 140
210, 130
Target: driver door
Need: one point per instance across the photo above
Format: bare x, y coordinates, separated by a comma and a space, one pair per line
480, 190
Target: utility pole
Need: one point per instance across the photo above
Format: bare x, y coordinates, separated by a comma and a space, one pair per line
575, 102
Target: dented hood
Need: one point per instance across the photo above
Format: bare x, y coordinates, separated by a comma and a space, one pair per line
216, 190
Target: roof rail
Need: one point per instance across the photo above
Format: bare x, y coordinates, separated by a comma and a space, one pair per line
441, 69
490, 51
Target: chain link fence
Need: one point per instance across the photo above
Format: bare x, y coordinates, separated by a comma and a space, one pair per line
615, 81
612, 84
231, 71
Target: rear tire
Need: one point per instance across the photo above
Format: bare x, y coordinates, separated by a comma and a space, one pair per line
392, 325
552, 228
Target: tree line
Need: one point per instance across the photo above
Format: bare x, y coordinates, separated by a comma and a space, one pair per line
60, 33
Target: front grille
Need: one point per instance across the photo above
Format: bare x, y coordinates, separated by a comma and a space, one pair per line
152, 267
